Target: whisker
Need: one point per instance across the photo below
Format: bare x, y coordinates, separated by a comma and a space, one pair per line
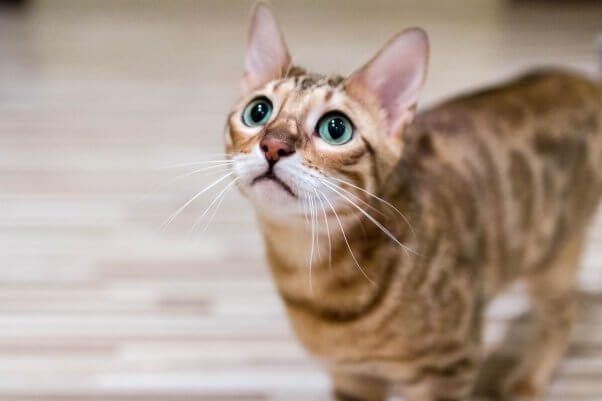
327, 231
379, 199
315, 216
220, 196
181, 177
185, 205
363, 202
345, 238
311, 253
372, 219
215, 210
305, 208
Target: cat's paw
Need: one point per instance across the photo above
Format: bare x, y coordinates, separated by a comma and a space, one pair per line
521, 389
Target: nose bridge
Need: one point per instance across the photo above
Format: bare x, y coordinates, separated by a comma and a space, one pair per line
284, 129
286, 126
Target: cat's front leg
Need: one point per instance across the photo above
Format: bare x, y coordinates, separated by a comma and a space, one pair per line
446, 381
353, 387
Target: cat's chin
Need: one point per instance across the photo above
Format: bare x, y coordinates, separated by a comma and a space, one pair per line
272, 191
270, 198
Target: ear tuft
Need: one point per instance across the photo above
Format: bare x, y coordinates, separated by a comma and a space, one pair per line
267, 56
395, 76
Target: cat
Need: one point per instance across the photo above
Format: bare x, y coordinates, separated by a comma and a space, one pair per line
387, 231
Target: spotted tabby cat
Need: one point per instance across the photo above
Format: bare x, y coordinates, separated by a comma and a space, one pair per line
388, 231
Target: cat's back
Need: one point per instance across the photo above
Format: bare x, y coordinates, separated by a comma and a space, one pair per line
545, 115
539, 92
518, 107
517, 167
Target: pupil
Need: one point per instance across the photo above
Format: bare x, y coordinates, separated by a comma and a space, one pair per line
336, 128
258, 112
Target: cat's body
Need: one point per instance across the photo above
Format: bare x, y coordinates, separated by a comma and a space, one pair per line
497, 186
494, 187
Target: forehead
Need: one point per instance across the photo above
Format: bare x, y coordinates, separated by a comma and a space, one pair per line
299, 84
314, 81
300, 93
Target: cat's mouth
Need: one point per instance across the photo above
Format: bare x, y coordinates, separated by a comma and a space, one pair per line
269, 175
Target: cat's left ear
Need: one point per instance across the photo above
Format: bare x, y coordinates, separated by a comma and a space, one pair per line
394, 78
267, 56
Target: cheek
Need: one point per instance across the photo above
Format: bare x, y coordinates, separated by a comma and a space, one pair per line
246, 166
333, 158
352, 166
241, 140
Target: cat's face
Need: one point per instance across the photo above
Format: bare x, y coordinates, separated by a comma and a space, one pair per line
295, 137
299, 140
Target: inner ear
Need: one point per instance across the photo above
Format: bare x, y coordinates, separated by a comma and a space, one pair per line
394, 78
267, 56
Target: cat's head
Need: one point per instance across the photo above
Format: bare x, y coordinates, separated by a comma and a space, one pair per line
296, 137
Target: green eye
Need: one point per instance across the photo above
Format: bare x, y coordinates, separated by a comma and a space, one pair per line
257, 112
335, 129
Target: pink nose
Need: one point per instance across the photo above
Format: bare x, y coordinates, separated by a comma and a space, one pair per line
275, 148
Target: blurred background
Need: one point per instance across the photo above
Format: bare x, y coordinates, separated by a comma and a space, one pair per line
100, 101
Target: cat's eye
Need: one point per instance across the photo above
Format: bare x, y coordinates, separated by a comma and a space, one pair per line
257, 112
335, 129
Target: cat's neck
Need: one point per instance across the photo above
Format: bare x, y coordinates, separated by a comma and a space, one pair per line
341, 266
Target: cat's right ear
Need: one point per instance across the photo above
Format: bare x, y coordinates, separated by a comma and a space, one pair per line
267, 56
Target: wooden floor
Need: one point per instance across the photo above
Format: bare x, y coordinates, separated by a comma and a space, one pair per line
99, 100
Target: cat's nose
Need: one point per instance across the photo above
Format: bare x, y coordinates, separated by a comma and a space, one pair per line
274, 148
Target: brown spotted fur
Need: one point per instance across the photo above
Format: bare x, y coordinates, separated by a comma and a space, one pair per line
498, 185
